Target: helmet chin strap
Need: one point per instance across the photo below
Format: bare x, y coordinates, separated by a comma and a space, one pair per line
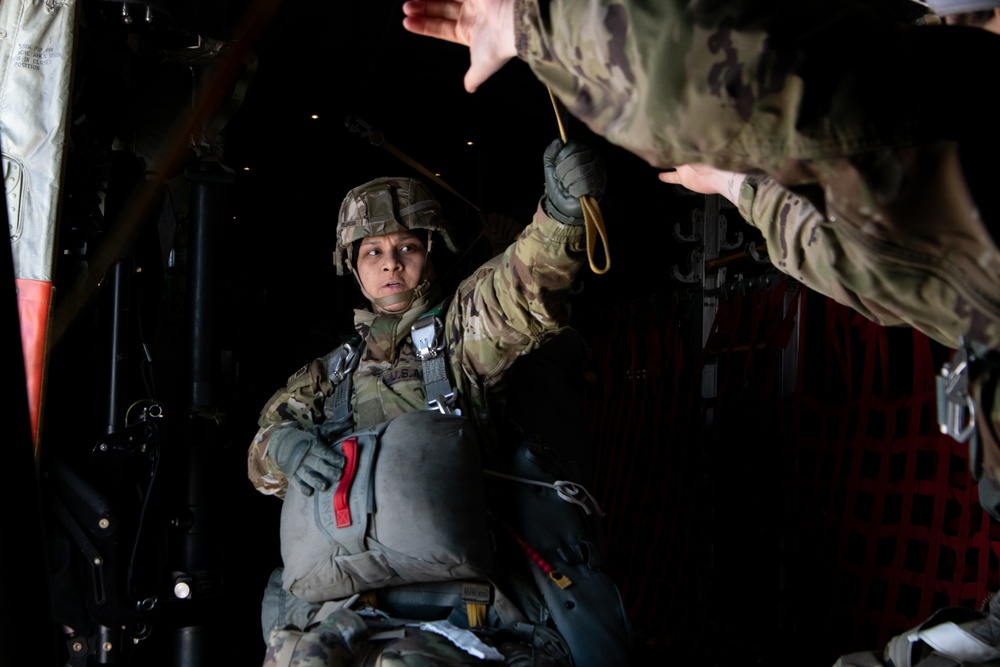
407, 296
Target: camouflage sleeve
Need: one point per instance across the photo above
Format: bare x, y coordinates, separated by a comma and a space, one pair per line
801, 244
511, 304
823, 254
740, 85
746, 85
299, 404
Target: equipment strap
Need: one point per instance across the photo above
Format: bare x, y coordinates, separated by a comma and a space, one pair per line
476, 596
428, 342
956, 642
340, 369
949, 633
429, 346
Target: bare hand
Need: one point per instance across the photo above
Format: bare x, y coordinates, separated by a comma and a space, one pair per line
485, 26
706, 180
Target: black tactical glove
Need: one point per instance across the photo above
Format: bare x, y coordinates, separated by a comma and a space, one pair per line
306, 457
571, 171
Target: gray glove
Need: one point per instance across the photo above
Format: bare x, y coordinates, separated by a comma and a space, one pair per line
571, 171
306, 457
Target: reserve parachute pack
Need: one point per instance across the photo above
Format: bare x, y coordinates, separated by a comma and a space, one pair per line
410, 505
408, 508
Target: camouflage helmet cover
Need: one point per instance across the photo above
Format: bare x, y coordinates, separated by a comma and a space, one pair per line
384, 206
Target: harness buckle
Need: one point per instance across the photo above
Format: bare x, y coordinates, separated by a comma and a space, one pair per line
956, 411
342, 363
446, 405
426, 334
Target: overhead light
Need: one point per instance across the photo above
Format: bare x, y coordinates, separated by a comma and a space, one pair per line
314, 116
468, 143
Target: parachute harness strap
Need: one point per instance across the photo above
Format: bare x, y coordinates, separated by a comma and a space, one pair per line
592, 219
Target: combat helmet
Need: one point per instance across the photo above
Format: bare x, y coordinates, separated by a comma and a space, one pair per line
384, 206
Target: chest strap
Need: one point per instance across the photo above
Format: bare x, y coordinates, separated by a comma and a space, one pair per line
427, 341
340, 368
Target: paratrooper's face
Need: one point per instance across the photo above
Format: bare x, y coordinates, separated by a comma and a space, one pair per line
391, 264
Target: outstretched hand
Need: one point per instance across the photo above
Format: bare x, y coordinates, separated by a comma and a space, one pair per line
485, 26
706, 180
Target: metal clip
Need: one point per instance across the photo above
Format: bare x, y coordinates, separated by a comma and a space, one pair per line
955, 408
426, 337
444, 404
342, 363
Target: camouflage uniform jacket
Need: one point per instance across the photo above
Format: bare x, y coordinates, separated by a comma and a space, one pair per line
888, 139
898, 281
507, 308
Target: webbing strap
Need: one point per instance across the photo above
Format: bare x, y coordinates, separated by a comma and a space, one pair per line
340, 369
954, 641
505, 608
342, 400
476, 596
426, 335
436, 377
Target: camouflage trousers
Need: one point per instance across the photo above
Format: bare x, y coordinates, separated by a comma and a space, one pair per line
346, 639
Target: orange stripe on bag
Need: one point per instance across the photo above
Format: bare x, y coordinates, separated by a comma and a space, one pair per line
34, 302
341, 508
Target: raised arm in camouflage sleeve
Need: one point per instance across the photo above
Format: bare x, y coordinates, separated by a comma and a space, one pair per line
925, 280
513, 303
801, 244
886, 120
744, 84
902, 279
889, 161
